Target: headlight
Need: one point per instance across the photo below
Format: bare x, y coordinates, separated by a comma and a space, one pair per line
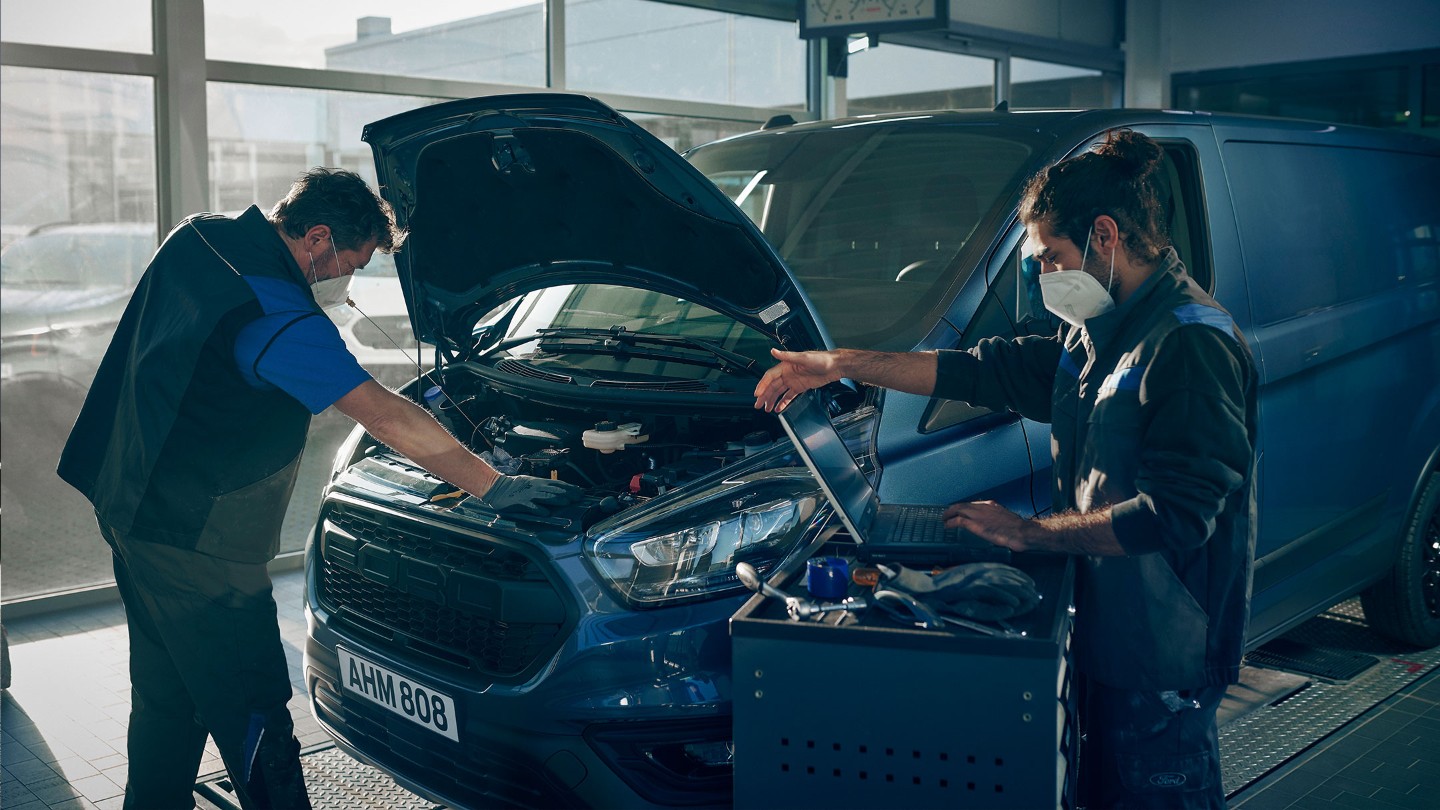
689, 548
348, 452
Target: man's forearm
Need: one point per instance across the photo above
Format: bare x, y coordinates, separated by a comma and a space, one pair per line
1074, 533
413, 432
911, 372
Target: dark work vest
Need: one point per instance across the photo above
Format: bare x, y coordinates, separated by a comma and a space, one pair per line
172, 445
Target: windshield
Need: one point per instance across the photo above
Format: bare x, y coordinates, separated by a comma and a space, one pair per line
875, 219
608, 307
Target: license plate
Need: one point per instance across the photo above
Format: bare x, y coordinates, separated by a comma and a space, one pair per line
413, 701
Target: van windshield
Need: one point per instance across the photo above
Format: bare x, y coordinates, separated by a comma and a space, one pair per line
877, 220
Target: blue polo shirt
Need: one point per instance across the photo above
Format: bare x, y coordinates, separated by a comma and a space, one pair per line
294, 347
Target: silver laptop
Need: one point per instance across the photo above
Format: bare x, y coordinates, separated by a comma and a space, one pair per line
908, 534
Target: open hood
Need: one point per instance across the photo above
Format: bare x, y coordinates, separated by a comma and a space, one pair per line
506, 194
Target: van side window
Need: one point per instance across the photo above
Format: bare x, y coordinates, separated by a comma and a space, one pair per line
1308, 245
1184, 212
1012, 307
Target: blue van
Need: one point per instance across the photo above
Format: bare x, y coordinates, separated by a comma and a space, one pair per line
601, 308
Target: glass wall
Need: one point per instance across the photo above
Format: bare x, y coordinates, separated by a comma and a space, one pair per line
500, 41
114, 25
262, 137
1375, 98
77, 151
662, 50
894, 78
681, 133
1395, 91
1044, 85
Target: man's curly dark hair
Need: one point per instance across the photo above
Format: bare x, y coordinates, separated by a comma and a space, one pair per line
342, 200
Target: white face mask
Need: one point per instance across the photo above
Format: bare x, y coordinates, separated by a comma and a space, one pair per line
332, 292
1075, 296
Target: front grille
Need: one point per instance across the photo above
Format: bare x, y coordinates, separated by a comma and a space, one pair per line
478, 605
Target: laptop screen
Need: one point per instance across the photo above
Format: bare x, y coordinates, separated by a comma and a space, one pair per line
829, 459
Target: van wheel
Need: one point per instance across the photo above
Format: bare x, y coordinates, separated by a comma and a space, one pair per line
1405, 605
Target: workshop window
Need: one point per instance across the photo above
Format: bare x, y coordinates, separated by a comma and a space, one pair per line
1396, 91
1044, 85
78, 206
664, 50
261, 137
682, 132
106, 25
897, 78
494, 42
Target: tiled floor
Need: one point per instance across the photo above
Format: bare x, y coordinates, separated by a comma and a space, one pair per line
1388, 757
63, 720
62, 725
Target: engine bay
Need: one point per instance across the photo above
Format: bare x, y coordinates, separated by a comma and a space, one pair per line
622, 450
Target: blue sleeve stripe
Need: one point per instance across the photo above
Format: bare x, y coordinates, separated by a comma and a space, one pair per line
1126, 379
1210, 316
1067, 364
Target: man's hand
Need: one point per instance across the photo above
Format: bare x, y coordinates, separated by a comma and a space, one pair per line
992, 522
796, 373
528, 494
1071, 533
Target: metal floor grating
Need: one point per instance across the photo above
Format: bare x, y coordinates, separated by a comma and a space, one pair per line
1304, 659
1258, 742
334, 781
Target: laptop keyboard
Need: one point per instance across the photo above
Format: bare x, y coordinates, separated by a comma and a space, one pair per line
922, 524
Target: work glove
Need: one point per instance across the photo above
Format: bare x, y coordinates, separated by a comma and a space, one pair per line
986, 591
529, 495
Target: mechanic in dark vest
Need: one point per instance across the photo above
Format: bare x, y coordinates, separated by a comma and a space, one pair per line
188, 446
1150, 390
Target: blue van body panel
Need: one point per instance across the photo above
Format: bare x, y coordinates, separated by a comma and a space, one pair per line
1349, 350
984, 459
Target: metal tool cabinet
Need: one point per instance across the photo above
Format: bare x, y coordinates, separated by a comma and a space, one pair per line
859, 711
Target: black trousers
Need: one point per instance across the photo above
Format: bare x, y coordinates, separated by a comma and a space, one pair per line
1149, 749
205, 659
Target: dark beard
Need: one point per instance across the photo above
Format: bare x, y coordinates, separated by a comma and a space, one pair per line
1101, 271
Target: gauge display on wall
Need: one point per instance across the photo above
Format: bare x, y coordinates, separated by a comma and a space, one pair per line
823, 18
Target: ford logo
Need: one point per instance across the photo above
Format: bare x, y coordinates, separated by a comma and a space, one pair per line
1167, 779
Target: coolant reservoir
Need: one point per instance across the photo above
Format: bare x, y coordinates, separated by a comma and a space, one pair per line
607, 437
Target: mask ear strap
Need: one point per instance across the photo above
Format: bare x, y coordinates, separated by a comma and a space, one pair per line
1084, 259
1108, 285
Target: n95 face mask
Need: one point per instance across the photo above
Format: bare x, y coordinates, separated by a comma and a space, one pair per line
332, 292
1075, 296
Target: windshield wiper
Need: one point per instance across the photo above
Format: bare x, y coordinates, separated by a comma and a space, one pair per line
621, 342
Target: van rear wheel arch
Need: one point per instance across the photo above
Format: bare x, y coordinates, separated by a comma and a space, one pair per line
1405, 603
